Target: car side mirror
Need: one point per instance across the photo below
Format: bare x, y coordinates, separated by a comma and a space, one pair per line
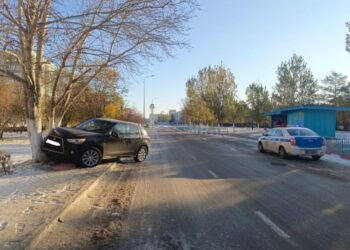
265, 134
114, 134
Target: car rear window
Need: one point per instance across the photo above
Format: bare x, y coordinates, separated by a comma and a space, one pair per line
301, 132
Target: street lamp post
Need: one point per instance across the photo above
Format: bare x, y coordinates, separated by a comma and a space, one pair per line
144, 96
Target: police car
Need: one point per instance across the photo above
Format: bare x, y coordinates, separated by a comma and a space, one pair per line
293, 141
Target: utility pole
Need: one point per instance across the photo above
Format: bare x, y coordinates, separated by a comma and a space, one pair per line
144, 96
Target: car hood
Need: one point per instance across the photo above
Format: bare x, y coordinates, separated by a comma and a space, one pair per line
72, 133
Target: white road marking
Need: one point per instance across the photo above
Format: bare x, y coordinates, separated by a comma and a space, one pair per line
213, 174
272, 225
233, 149
193, 158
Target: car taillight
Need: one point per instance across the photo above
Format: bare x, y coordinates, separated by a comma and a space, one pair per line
324, 142
292, 142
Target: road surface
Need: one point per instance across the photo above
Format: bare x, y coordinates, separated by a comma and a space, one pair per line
205, 192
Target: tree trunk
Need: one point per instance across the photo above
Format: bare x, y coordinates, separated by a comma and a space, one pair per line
2, 129
35, 137
51, 119
34, 125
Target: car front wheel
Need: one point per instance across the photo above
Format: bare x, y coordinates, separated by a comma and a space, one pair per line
282, 152
90, 157
261, 147
141, 154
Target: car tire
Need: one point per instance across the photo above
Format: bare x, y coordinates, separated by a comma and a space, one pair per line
261, 148
141, 154
282, 153
316, 157
90, 157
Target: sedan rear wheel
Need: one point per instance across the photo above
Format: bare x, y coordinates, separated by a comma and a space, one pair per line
141, 154
91, 157
316, 157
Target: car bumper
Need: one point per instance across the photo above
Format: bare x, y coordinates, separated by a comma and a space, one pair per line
65, 150
306, 151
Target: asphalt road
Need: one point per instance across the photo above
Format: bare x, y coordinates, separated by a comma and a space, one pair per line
203, 192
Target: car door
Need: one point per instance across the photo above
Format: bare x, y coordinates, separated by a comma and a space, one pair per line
133, 138
276, 140
117, 143
269, 138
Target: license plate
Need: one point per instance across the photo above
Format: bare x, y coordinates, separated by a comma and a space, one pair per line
310, 152
55, 143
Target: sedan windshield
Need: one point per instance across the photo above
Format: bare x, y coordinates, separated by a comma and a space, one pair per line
98, 126
301, 132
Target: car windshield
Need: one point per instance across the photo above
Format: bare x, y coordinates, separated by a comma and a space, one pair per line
301, 132
99, 126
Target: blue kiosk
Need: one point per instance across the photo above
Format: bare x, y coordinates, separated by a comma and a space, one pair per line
321, 119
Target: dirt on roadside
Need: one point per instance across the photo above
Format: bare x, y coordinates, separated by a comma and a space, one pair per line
94, 219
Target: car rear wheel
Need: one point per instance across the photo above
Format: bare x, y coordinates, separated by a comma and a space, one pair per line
261, 147
90, 157
282, 153
316, 157
141, 154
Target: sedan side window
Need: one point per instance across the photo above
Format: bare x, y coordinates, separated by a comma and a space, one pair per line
271, 132
279, 133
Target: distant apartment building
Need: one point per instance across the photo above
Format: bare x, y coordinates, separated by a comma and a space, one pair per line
10, 63
175, 116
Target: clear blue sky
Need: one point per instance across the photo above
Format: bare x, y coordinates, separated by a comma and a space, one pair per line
251, 38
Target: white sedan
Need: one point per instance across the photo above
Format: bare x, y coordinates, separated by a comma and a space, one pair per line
293, 141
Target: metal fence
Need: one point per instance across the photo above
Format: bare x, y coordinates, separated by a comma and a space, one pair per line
338, 146
334, 145
217, 130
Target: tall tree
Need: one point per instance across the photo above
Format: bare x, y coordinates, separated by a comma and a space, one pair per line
61, 49
217, 87
334, 89
296, 84
195, 110
258, 101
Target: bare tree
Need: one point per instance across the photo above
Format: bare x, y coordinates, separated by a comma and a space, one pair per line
59, 47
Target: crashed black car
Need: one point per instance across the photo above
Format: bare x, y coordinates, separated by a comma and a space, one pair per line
96, 139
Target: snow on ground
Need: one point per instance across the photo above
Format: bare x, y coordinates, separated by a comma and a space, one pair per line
247, 130
19, 149
31, 191
336, 159
255, 135
342, 134
23, 135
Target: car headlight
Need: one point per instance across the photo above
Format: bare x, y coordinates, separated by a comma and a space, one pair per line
76, 141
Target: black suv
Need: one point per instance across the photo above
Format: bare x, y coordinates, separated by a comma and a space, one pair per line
96, 139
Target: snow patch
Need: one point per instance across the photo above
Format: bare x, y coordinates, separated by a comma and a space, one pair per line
255, 135
336, 159
13, 135
342, 134
19, 149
